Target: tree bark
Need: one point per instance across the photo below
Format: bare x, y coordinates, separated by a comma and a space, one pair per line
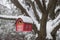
43, 26
44, 5
35, 28
51, 8
42, 32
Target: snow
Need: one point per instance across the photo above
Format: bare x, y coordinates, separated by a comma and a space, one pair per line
24, 18
7, 3
4, 2
47, 1
34, 19
39, 13
58, 7
32, 0
51, 25
8, 16
48, 29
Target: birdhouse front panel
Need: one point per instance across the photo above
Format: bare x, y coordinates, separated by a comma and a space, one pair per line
19, 24
19, 28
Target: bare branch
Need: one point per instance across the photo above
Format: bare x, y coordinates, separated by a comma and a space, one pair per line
51, 8
51, 5
52, 14
40, 6
44, 5
55, 29
53, 33
34, 10
18, 5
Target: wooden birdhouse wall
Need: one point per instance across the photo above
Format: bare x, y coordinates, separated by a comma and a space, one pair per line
27, 27
19, 24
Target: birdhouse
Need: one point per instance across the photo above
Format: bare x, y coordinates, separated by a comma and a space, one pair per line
24, 24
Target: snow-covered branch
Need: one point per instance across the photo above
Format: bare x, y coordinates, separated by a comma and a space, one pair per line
8, 17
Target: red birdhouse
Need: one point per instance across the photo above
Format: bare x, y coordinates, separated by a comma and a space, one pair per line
22, 24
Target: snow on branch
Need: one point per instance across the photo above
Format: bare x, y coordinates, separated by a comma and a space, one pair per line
57, 20
8, 17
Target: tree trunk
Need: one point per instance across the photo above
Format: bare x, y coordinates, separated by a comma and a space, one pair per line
42, 32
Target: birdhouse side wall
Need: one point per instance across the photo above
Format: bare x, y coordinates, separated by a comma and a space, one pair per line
27, 27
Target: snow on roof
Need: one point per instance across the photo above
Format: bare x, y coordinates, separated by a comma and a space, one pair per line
24, 18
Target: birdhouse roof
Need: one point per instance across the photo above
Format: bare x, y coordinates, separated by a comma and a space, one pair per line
26, 19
